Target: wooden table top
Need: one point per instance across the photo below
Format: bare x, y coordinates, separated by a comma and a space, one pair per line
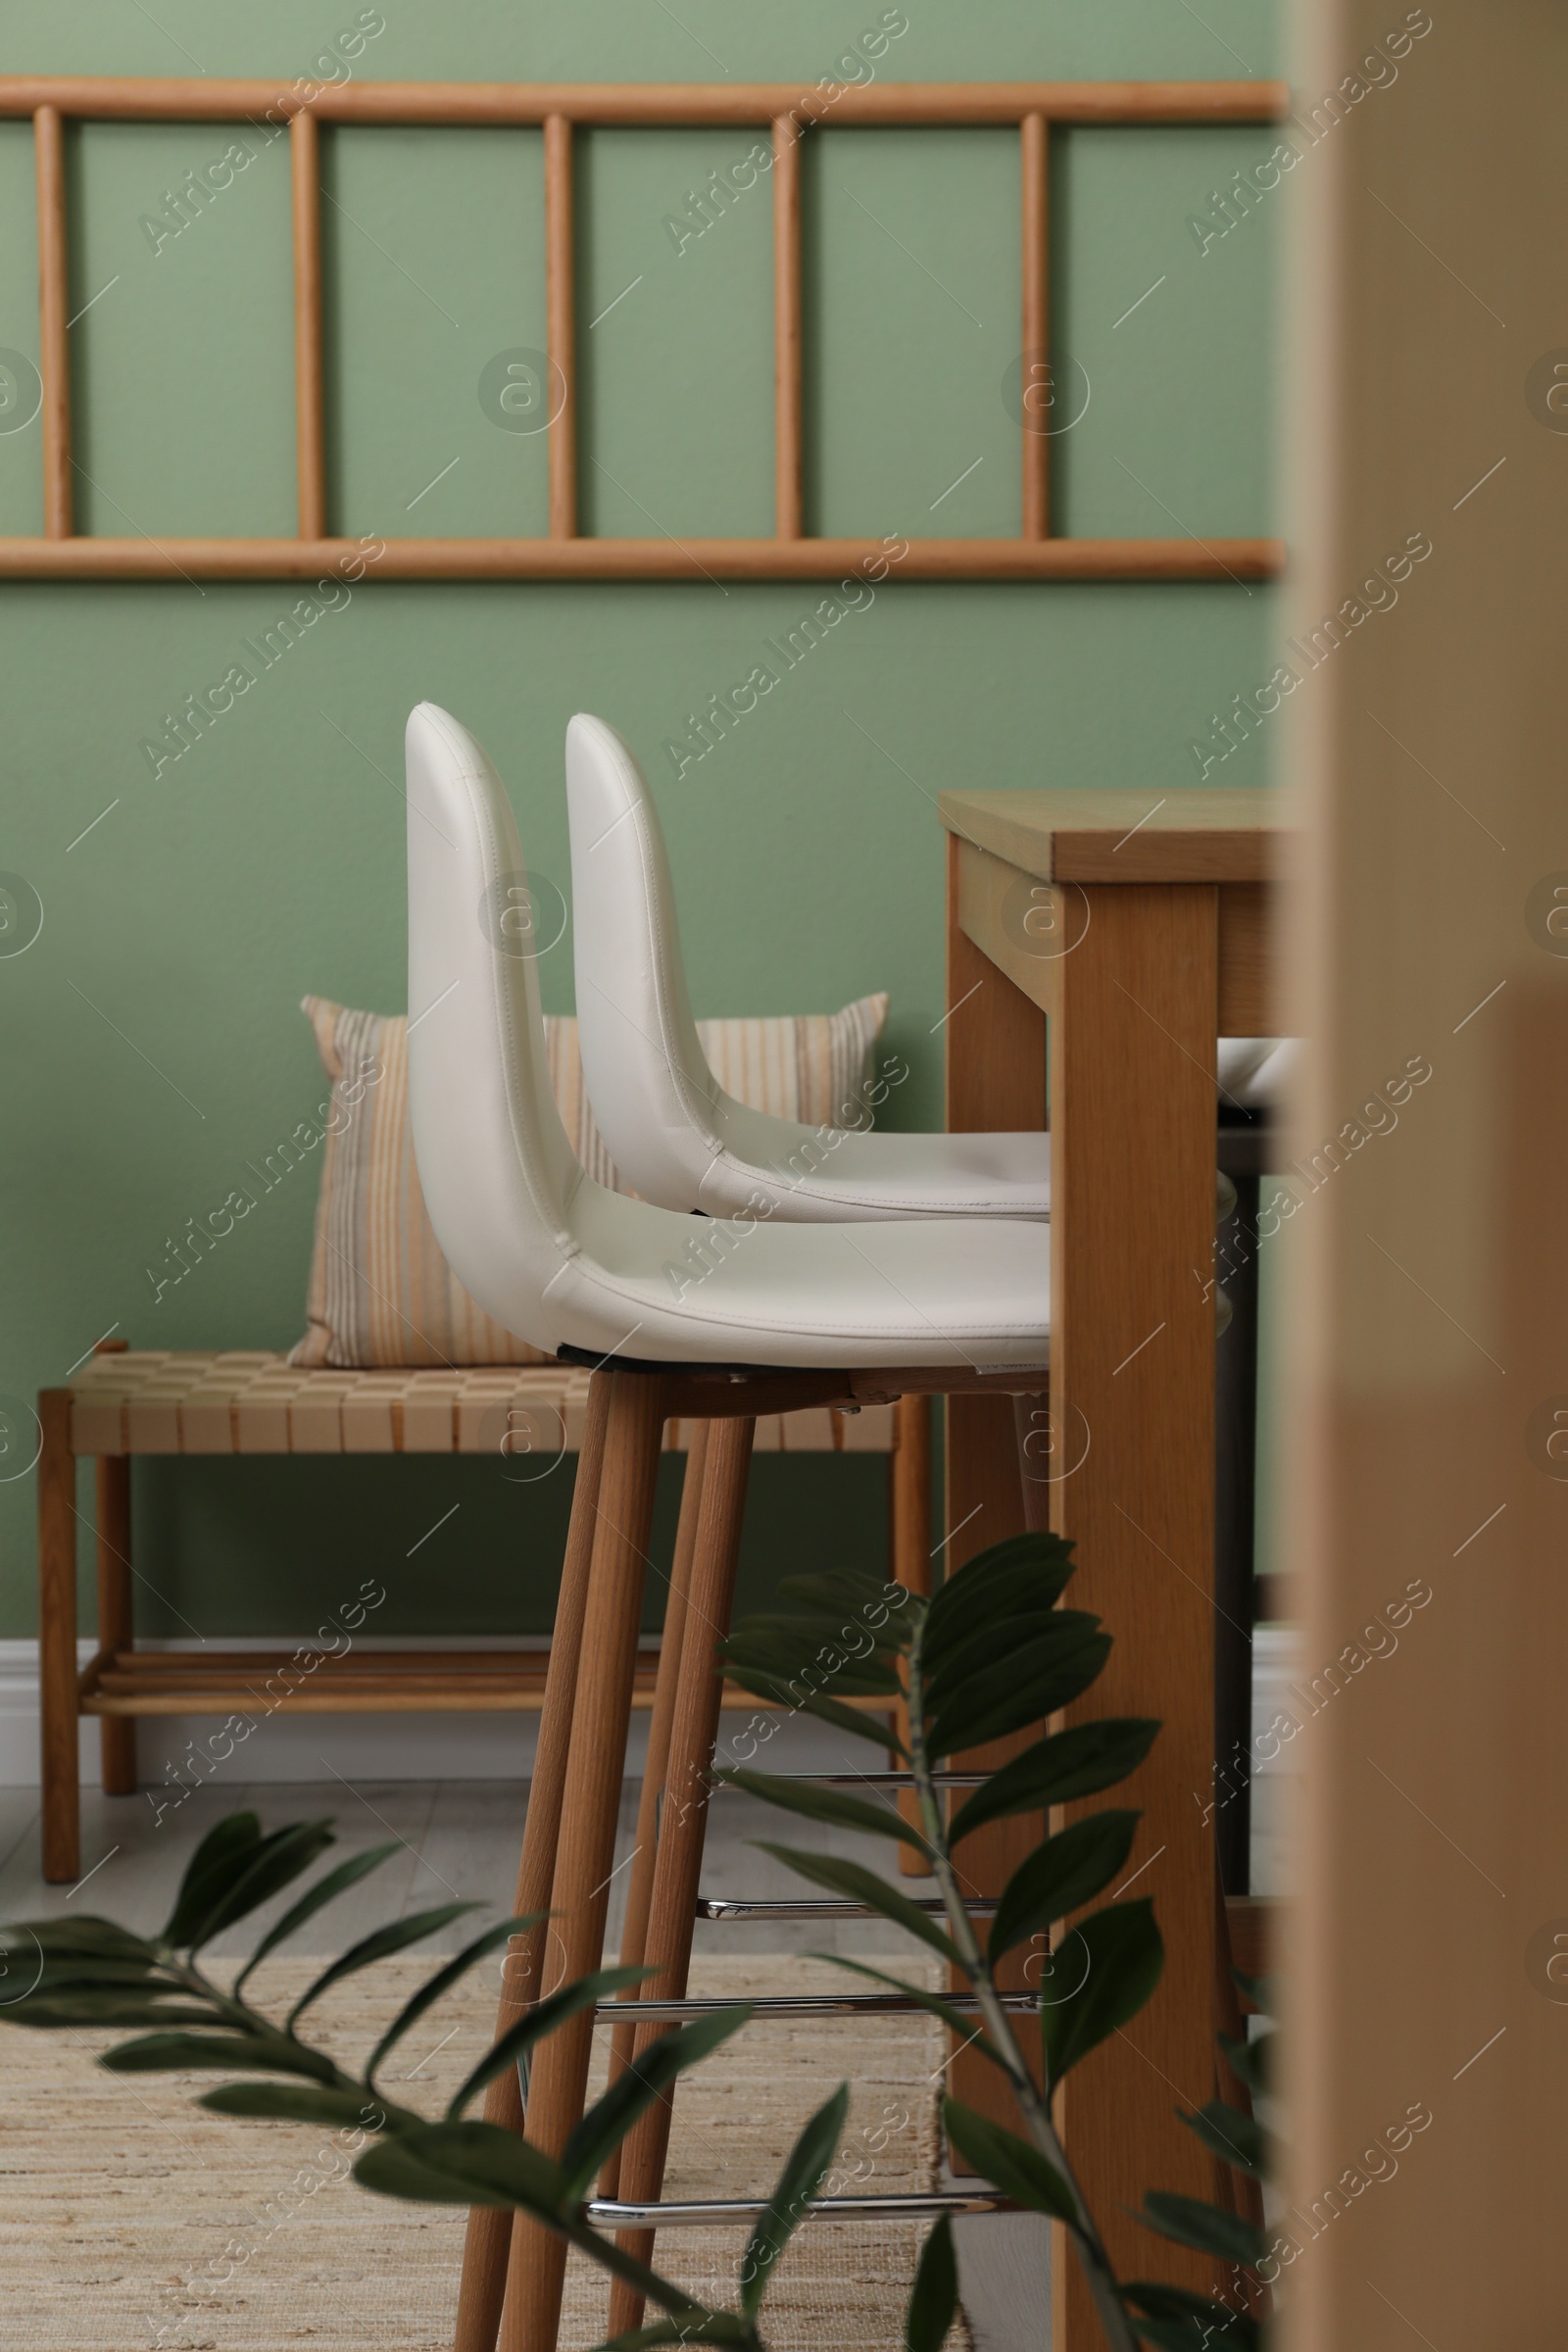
1193, 834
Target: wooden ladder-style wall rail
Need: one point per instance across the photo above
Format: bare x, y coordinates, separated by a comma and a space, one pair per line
560, 109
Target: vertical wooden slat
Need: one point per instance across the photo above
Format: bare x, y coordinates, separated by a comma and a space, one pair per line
310, 440
560, 299
787, 327
48, 139
1036, 328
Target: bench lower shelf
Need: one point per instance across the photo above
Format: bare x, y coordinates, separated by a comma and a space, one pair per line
157, 1681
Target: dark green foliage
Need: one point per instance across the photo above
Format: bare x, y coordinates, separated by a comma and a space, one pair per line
1018, 2170
1060, 1876
1053, 1771
934, 2299
806, 2168
858, 1884
1106, 1968
1210, 2228
826, 1804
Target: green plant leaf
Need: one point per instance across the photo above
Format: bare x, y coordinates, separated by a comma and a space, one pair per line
110, 2005
464, 2164
1107, 1967
295, 2103
1236, 2139
852, 1588
536, 2022
826, 1804
1192, 2222
1018, 2170
789, 1649
1057, 1770
636, 2088
806, 2168
1179, 2303
217, 1864
85, 1938
1001, 1636
273, 1864
854, 1722
1018, 1691
1061, 1876
185, 2053
396, 1936
1250, 2061
711, 2327
863, 1885
969, 2030
315, 1898
441, 1983
934, 2298
1232, 2330
1044, 1561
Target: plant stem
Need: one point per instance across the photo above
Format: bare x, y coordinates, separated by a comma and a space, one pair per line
1035, 2109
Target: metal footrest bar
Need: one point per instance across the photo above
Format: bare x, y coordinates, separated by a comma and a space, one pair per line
873, 1780
800, 2004
726, 1907
710, 2213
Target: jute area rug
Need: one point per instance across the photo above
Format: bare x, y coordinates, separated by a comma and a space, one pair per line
133, 2221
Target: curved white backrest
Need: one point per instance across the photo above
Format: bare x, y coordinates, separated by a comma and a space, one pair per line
495, 1165
656, 1100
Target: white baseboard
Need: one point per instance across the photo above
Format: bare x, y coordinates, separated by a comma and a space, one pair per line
439, 1748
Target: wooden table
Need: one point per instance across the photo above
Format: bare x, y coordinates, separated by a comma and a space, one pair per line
1139, 931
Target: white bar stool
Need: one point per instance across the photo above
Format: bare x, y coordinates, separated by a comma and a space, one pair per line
671, 1130
791, 1316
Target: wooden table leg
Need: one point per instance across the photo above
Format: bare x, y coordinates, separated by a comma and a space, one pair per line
57, 1638
1133, 1410
996, 1082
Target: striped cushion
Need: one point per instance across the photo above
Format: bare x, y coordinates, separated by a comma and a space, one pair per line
380, 1292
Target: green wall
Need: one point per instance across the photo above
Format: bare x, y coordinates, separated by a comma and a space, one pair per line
150, 1035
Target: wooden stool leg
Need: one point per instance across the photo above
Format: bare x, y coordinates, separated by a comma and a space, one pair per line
483, 2286
585, 1855
640, 1884
116, 1620
684, 1817
57, 1638
910, 1543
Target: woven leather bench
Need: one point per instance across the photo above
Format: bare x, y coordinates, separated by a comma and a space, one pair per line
124, 1403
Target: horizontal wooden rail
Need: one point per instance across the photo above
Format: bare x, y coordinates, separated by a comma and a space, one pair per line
932, 103
790, 112
93, 558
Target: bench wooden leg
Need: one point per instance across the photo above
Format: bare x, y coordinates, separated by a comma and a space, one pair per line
116, 1615
57, 1638
483, 2285
683, 1819
590, 1810
640, 1878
